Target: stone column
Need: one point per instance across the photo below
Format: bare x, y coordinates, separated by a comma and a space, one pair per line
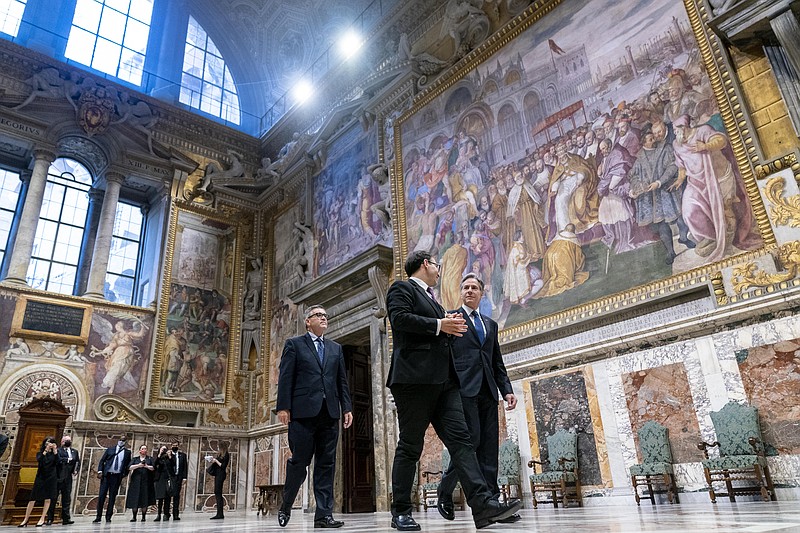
89, 236
25, 179
102, 243
29, 219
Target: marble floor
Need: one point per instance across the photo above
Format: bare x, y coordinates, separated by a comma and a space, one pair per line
724, 517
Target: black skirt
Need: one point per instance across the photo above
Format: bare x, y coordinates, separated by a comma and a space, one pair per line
45, 485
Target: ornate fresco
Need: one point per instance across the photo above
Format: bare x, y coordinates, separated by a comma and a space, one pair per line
537, 169
348, 203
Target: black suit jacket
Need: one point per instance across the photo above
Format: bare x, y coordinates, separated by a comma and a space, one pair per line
107, 460
478, 362
419, 355
303, 382
182, 466
66, 467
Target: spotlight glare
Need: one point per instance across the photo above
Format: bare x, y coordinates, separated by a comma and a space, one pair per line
302, 91
350, 43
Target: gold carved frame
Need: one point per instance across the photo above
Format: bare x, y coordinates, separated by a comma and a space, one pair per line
741, 138
154, 394
19, 313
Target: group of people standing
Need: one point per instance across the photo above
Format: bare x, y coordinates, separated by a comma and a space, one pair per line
446, 370
153, 480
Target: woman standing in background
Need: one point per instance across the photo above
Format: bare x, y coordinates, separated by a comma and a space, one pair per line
45, 485
220, 474
141, 494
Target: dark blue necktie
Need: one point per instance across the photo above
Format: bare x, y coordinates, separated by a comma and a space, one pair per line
320, 350
479, 326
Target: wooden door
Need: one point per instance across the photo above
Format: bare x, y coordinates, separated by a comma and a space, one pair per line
358, 459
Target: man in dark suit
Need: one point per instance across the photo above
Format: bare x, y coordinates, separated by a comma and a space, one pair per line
424, 384
66, 468
178, 472
312, 387
481, 374
112, 468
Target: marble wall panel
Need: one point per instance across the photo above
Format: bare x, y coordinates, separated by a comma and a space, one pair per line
661, 394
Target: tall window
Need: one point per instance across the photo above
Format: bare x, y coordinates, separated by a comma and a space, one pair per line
11, 15
124, 256
9, 195
206, 82
59, 234
111, 36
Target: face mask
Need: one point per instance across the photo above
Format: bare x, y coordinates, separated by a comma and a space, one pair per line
174, 448
121, 443
67, 444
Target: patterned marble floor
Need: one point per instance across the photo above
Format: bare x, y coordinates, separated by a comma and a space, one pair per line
724, 517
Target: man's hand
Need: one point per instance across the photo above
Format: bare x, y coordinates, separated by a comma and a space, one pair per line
511, 400
348, 419
454, 324
99, 475
284, 416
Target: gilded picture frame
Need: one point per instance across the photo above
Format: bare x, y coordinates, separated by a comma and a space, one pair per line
195, 352
537, 84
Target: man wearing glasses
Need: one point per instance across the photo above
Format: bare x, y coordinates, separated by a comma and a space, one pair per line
312, 388
425, 387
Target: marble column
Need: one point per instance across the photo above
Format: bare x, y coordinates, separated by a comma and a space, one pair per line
102, 243
89, 236
25, 179
29, 219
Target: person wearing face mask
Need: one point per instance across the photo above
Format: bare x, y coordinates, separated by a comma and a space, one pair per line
68, 466
141, 493
112, 468
178, 473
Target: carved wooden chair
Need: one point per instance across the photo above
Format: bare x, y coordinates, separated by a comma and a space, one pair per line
742, 463
656, 465
562, 477
430, 488
508, 469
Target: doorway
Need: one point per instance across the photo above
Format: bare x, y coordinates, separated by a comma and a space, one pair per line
358, 458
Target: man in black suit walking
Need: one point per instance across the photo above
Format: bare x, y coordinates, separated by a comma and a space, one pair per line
112, 468
312, 387
481, 374
179, 471
424, 384
66, 468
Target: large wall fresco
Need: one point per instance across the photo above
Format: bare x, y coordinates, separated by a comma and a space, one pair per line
348, 201
771, 378
662, 394
572, 165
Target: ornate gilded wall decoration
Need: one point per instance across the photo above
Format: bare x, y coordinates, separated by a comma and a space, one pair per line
749, 275
784, 211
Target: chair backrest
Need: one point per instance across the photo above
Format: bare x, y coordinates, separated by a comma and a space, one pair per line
734, 424
654, 443
445, 459
508, 459
562, 443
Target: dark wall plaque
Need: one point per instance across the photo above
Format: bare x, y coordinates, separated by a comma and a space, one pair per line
53, 318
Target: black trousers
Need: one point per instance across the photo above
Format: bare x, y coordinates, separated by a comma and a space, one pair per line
65, 492
109, 486
173, 498
440, 405
480, 413
219, 480
315, 438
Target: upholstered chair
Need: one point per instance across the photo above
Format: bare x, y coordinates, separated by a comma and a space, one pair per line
656, 465
430, 487
508, 469
741, 455
560, 476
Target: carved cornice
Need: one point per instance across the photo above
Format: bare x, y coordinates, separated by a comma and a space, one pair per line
749, 275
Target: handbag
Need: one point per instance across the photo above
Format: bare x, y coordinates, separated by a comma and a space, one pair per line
212, 469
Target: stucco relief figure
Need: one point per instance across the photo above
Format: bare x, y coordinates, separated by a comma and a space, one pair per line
18, 348
721, 6
47, 83
137, 114
214, 172
466, 23
120, 352
252, 298
382, 208
288, 150
305, 261
267, 174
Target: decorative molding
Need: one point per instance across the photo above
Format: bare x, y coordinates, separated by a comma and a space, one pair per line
784, 211
749, 275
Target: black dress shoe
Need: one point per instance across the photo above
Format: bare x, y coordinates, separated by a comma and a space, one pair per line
176, 517
217, 517
494, 512
67, 522
48, 522
283, 517
96, 521
327, 521
404, 522
510, 519
446, 509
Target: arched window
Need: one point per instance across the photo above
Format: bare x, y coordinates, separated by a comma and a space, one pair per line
59, 234
11, 15
206, 82
111, 36
123, 260
9, 196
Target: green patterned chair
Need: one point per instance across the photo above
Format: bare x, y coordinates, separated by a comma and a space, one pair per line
741, 455
561, 478
430, 488
508, 469
656, 465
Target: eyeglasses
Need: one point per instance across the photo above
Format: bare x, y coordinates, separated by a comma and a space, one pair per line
437, 265
318, 315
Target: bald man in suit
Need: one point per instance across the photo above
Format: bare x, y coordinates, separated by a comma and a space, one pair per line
424, 385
